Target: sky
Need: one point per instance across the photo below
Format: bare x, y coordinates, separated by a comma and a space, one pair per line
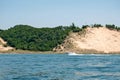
52, 13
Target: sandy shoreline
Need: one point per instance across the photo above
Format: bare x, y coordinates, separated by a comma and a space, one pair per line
52, 52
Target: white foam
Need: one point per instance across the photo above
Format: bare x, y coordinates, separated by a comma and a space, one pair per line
74, 54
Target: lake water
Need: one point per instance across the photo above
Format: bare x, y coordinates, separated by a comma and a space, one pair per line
59, 67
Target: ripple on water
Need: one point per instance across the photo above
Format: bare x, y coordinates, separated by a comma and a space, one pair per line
59, 67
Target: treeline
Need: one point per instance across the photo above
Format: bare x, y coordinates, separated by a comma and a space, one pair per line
109, 26
26, 37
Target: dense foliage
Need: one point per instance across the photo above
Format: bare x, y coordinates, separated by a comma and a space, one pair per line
38, 39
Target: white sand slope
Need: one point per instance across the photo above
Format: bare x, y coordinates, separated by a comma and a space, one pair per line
99, 39
4, 48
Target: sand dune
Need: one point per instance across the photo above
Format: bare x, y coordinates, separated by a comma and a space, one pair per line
92, 39
4, 47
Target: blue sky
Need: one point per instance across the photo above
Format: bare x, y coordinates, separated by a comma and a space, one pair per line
51, 13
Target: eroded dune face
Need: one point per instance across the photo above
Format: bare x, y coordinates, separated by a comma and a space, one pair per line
4, 47
98, 39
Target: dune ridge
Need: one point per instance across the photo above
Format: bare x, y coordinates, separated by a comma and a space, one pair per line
94, 40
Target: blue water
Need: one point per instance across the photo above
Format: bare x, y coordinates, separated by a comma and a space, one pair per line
59, 67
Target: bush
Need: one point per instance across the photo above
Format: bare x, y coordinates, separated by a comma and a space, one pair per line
97, 25
85, 26
110, 26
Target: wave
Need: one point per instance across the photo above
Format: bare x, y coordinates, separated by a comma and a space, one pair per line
75, 54
97, 73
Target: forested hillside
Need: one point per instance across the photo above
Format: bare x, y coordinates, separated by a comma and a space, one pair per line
26, 37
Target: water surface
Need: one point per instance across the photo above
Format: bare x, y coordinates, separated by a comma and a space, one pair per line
59, 67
